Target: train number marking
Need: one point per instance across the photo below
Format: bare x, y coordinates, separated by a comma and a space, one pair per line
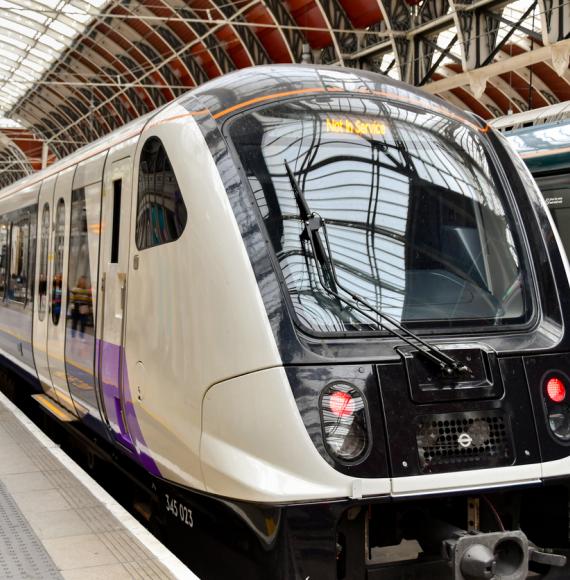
179, 511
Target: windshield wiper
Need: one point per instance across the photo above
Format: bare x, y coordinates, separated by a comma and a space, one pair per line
311, 233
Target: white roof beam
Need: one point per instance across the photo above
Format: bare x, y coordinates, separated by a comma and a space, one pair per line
478, 78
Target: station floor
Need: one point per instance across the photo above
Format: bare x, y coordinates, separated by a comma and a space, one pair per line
56, 522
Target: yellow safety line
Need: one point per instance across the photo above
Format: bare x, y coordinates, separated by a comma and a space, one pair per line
63, 415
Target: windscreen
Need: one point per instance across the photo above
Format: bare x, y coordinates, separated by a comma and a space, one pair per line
417, 223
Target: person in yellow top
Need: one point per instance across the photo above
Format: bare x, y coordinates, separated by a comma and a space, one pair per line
81, 304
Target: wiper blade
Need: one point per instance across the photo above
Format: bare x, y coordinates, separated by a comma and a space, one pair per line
311, 233
313, 223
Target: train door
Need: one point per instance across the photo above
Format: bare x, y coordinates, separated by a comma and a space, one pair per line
113, 264
83, 298
41, 293
57, 284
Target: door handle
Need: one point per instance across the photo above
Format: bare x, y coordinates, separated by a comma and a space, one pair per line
123, 280
123, 295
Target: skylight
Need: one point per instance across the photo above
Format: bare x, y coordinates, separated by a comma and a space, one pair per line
9, 124
34, 33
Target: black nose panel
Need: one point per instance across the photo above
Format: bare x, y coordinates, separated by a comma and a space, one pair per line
446, 436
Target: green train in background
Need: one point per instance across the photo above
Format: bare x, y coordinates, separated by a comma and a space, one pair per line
546, 151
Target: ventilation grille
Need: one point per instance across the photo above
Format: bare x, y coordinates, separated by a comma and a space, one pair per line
457, 441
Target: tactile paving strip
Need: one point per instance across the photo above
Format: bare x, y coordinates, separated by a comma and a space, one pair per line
136, 560
22, 554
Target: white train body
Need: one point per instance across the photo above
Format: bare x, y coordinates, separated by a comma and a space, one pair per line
173, 352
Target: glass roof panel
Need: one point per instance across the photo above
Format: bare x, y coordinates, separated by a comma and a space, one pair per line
11, 91
51, 41
32, 15
444, 39
47, 55
33, 64
10, 24
513, 12
11, 39
33, 34
9, 55
21, 73
49, 3
63, 28
10, 124
76, 14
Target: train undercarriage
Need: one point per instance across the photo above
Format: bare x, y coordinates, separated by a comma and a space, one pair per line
513, 533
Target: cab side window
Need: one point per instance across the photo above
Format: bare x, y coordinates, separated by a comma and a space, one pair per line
161, 213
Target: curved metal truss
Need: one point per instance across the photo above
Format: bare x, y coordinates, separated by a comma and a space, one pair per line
14, 163
106, 62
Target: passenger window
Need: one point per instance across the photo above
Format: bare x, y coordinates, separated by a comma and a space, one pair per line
161, 213
80, 293
42, 283
3, 256
33, 219
19, 256
58, 248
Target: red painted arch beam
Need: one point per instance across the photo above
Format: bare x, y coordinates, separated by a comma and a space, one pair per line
271, 38
308, 13
225, 35
362, 13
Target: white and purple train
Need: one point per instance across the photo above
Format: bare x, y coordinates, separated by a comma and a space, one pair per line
328, 316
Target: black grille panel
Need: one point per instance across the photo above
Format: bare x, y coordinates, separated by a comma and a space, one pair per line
472, 440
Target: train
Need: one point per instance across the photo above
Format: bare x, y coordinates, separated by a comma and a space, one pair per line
545, 149
325, 314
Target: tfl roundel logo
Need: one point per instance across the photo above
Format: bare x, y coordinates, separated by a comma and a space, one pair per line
465, 440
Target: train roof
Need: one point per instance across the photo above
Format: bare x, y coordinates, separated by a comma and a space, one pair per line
248, 87
544, 147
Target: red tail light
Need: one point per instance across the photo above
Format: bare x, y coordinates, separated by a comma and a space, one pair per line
557, 406
555, 389
344, 420
341, 404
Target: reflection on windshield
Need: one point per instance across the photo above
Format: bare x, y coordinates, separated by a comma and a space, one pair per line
414, 217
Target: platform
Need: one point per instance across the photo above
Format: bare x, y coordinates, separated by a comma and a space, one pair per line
56, 522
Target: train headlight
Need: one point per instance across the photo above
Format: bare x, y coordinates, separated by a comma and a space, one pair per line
557, 407
343, 416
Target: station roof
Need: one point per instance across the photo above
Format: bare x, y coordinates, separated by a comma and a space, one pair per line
73, 70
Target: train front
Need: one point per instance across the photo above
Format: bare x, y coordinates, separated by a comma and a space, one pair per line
418, 298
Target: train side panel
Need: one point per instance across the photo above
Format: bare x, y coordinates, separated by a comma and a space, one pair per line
195, 316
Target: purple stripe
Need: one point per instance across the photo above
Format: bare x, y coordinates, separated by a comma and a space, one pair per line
129, 435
